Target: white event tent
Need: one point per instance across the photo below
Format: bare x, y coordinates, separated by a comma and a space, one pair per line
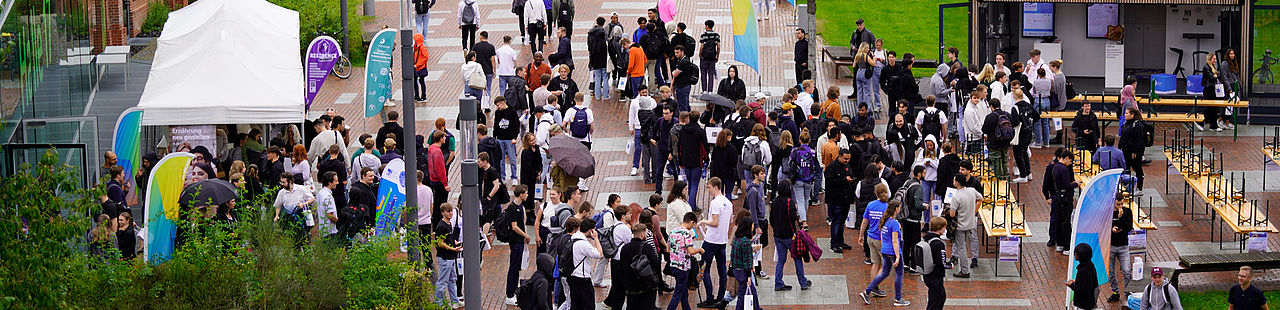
226, 62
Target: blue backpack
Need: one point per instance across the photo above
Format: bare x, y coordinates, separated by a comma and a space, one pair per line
579, 127
806, 164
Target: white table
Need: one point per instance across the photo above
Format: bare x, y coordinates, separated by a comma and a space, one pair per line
112, 55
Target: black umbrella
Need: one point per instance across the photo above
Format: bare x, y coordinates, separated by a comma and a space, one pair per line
572, 156
207, 193
717, 100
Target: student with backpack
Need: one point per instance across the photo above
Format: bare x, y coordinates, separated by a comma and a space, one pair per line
612, 237
681, 258
999, 127
1059, 189
642, 270
1027, 116
1137, 136
468, 21
911, 196
931, 252
581, 246
579, 120
535, 293
891, 253
804, 169
708, 54
1159, 294
551, 216
931, 120
786, 220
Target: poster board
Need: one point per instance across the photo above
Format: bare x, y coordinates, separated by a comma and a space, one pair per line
182, 137
1099, 17
1113, 77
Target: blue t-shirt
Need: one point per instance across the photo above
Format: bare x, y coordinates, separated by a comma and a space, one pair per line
890, 226
872, 215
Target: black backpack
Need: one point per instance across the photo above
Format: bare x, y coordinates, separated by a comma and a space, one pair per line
710, 49
525, 294
932, 124
1028, 114
503, 224
564, 259
422, 6
352, 219
643, 271
1148, 133
1004, 128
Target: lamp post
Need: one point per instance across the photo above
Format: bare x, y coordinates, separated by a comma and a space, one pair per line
407, 105
470, 201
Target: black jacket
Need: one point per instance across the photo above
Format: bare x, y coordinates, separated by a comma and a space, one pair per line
597, 46
724, 163
1132, 137
685, 41
540, 282
563, 55
783, 217
1084, 122
511, 131
1058, 181
1086, 284
992, 122
948, 166
388, 127
366, 195
693, 146
802, 51
628, 253
530, 166
734, 89
490, 145
838, 186
271, 171
937, 247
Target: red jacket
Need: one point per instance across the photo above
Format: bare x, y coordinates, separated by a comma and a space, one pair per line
435, 160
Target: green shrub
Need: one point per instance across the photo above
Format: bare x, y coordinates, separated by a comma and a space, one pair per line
157, 14
315, 16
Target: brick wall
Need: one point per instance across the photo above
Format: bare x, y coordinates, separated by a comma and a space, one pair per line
138, 12
107, 27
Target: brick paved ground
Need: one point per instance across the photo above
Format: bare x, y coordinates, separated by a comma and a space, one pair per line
1038, 286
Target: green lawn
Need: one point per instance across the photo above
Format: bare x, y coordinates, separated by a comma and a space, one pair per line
905, 25
1215, 299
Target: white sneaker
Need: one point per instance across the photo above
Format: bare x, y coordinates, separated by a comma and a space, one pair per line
1029, 178
511, 301
459, 305
1198, 127
1019, 180
634, 171
766, 17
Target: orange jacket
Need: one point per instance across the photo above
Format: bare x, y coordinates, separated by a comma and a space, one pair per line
419, 52
635, 61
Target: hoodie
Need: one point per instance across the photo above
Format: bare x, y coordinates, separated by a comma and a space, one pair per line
419, 53
540, 282
490, 145
764, 148
1155, 298
755, 202
1086, 284
930, 164
938, 84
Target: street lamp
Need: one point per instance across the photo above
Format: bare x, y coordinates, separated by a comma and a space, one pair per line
470, 201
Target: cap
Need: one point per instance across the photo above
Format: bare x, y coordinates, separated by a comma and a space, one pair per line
1157, 271
788, 106
760, 95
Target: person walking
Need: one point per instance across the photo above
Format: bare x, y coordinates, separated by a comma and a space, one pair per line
963, 208
891, 253
724, 161
914, 208
422, 16
468, 22
641, 291
1165, 296
708, 55
1133, 148
692, 154
786, 220
937, 250
716, 237
487, 56
640, 118
564, 54
1121, 225
754, 201
743, 255
505, 68
681, 256
617, 233
447, 248
471, 72
1059, 189
583, 244
535, 18
514, 216
684, 74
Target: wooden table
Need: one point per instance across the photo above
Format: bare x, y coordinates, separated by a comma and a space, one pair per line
1241, 217
1269, 157
840, 56
1165, 101
1169, 117
1140, 218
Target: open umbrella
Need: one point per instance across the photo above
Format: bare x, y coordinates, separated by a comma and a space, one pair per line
572, 156
207, 193
717, 100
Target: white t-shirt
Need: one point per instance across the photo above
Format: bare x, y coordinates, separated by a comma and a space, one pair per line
724, 208
506, 61
942, 117
621, 235
571, 113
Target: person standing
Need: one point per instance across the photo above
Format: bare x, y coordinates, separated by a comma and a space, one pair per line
716, 228
564, 15
938, 250
506, 128
563, 54
1084, 287
1245, 296
999, 128
681, 256
1085, 126
804, 169
468, 22
468, 71
786, 220
585, 245
692, 154
1213, 78
963, 208
326, 207
640, 119
619, 233
891, 252
597, 48
635, 67
1059, 189
660, 140
1121, 225
838, 177
1165, 296
685, 75
436, 172
535, 18
1133, 148
1028, 116
802, 58
641, 292
1059, 92
743, 255
506, 66
861, 35
754, 201
1041, 90
514, 216
447, 248
708, 55
580, 125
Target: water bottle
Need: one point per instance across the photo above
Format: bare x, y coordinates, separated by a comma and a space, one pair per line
1137, 268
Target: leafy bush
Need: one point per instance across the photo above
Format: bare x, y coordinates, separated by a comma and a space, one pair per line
325, 16
157, 14
247, 264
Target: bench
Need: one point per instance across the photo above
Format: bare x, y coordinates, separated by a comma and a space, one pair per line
1164, 101
840, 56
1172, 117
1241, 217
1140, 218
1218, 262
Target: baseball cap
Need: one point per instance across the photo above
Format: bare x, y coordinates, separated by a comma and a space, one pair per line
759, 96
1157, 271
788, 106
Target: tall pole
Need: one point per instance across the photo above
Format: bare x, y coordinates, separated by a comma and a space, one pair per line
470, 205
345, 31
407, 105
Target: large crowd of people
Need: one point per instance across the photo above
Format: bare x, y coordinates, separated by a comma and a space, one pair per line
767, 167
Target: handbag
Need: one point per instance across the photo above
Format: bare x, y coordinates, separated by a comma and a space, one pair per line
476, 81
1219, 90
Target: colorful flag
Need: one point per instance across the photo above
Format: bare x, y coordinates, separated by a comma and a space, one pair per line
377, 79
1091, 223
746, 36
128, 144
390, 198
162, 204
322, 53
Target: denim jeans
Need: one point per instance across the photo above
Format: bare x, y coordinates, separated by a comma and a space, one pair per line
474, 93
601, 79
1042, 128
927, 196
633, 83
636, 143
420, 21
682, 97
865, 92
1119, 256
838, 213
887, 266
800, 192
713, 252
693, 175
743, 276
488, 86
708, 75
783, 249
513, 268
502, 84
509, 155
446, 280
680, 296
875, 87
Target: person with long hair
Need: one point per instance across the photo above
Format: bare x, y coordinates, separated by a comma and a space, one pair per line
781, 155
126, 236
873, 213
732, 86
927, 157
102, 237
741, 258
724, 161
891, 254
1133, 147
299, 164
530, 166
987, 75
865, 63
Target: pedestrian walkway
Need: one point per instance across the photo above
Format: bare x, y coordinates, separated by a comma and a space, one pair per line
837, 277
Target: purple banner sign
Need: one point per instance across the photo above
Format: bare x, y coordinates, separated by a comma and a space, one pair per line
322, 53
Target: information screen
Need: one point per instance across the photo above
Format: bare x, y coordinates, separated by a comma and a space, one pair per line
1101, 16
1037, 19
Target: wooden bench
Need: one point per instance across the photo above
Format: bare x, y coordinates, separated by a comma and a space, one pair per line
1231, 213
840, 56
1164, 101
1140, 218
1170, 117
1217, 262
